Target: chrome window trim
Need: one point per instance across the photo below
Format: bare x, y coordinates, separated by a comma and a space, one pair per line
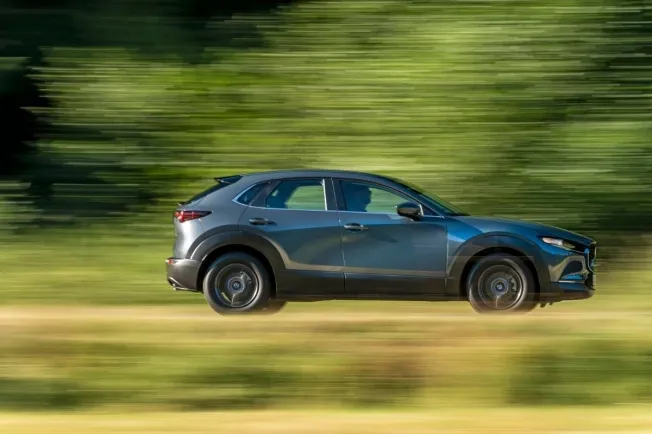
391, 214
322, 182
333, 183
294, 209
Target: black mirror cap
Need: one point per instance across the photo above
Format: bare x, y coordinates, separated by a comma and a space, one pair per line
409, 210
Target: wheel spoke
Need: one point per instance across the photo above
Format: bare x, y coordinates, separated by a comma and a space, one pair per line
499, 287
236, 286
234, 298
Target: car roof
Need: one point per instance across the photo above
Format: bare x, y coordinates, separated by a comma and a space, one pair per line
306, 173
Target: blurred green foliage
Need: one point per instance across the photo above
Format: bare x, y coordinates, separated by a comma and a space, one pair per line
164, 362
537, 109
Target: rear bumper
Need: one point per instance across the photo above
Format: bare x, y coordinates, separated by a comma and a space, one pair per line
182, 273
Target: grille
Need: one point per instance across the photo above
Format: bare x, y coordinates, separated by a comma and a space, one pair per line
590, 281
590, 254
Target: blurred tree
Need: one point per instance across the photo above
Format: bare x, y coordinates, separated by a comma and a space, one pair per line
85, 181
535, 109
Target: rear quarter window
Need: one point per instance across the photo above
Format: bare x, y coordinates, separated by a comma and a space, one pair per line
250, 194
204, 193
220, 184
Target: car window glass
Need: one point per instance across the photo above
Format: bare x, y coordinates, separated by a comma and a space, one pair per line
300, 194
220, 183
250, 195
362, 197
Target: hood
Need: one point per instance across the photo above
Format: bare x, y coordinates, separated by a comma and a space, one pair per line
491, 224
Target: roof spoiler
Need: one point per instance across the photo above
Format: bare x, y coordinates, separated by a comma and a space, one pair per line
231, 179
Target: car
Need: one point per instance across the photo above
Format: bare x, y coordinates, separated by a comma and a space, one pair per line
253, 242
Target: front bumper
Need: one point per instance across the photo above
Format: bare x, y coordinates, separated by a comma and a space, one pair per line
182, 273
572, 276
561, 291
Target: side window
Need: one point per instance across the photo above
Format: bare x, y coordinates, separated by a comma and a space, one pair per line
249, 195
298, 194
363, 197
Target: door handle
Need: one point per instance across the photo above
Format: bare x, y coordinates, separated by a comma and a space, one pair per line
259, 221
355, 227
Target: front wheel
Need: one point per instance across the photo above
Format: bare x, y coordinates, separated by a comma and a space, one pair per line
237, 283
501, 283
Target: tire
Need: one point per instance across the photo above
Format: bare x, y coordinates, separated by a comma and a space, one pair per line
273, 306
237, 283
501, 283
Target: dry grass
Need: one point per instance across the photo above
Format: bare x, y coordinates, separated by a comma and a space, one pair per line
188, 358
133, 369
500, 421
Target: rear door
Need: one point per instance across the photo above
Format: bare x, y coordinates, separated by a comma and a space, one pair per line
298, 216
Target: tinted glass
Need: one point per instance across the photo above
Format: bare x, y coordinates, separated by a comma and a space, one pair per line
298, 194
220, 183
204, 193
248, 196
362, 197
433, 201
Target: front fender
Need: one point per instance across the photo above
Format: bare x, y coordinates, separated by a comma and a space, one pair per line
459, 259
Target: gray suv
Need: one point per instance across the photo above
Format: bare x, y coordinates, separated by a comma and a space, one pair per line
253, 242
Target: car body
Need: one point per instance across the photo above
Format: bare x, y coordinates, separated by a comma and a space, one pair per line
322, 235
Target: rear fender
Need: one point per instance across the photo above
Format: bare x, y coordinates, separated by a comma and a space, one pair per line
237, 238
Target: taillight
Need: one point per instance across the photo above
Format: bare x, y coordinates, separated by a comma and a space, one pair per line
185, 215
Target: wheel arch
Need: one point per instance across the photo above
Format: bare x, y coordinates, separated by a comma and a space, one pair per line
475, 249
222, 243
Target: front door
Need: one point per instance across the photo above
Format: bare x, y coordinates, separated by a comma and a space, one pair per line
295, 218
386, 255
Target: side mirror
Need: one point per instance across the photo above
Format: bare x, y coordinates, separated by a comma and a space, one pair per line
410, 210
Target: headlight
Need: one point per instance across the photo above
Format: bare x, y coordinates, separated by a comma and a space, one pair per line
558, 242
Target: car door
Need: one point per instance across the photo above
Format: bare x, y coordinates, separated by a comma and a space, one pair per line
386, 255
297, 217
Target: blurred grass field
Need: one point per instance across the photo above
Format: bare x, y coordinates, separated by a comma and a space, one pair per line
187, 359
147, 369
94, 340
626, 420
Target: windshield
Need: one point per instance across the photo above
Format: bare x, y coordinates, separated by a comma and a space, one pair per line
435, 202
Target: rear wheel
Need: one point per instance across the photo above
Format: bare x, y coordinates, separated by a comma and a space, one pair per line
237, 283
501, 283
